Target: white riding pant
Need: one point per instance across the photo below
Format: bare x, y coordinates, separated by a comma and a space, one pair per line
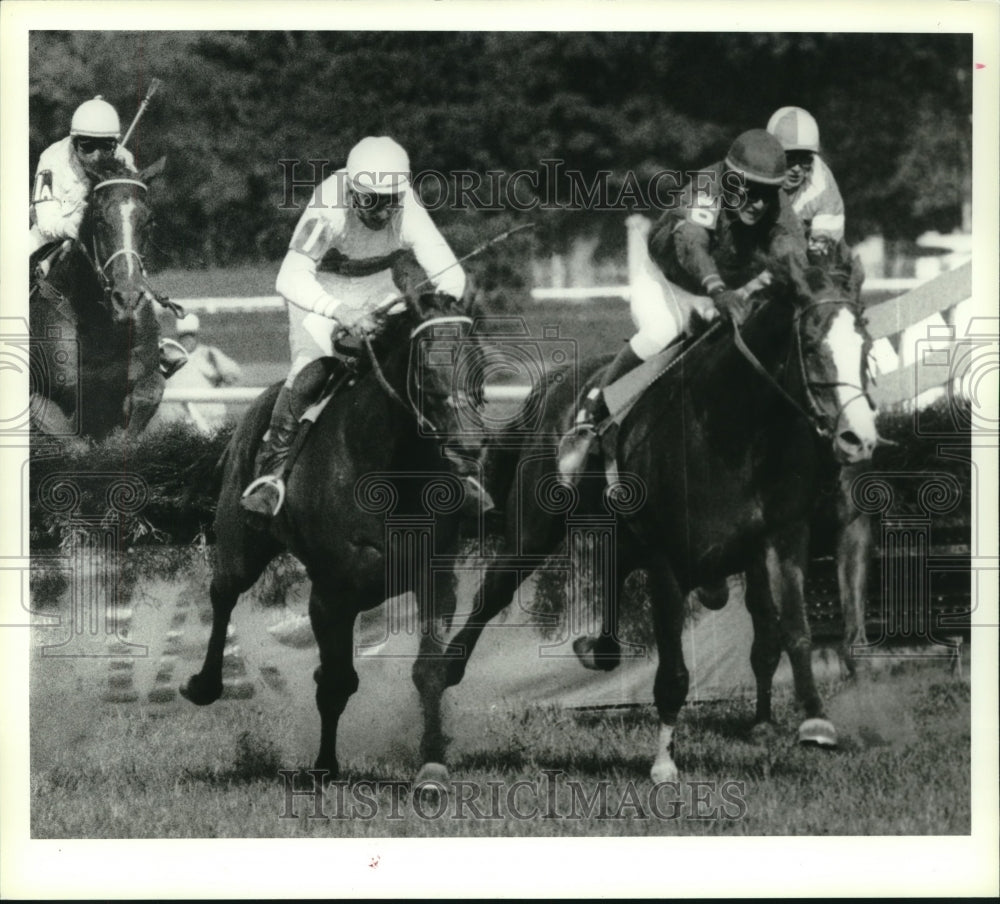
310, 336
662, 310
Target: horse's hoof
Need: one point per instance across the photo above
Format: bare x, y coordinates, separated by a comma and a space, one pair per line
599, 654
664, 771
431, 780
818, 732
199, 692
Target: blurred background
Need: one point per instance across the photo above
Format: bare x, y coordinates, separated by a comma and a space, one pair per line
894, 112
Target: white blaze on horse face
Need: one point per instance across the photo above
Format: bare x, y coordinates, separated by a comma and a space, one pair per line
664, 768
128, 236
856, 433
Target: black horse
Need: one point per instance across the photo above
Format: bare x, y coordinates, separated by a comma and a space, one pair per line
375, 450
94, 335
724, 462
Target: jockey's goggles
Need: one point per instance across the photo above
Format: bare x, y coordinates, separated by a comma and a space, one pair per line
799, 158
374, 202
757, 191
88, 145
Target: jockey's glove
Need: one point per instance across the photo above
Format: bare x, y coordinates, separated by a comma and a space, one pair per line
732, 305
355, 320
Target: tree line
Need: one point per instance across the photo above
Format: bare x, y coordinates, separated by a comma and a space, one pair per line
239, 111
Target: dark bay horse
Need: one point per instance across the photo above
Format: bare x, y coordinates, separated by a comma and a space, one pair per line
724, 458
94, 335
373, 452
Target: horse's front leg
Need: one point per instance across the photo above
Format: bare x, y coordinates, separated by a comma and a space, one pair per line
332, 613
670, 686
854, 551
441, 663
785, 558
206, 686
143, 398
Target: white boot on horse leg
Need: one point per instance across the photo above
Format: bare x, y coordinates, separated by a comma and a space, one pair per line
664, 768
818, 732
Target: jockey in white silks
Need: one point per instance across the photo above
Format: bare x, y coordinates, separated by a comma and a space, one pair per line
61, 191
365, 213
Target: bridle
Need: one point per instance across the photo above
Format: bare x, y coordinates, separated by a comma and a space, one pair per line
813, 410
411, 404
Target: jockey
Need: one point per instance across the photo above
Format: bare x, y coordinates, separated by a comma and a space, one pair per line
59, 196
813, 192
361, 215
732, 216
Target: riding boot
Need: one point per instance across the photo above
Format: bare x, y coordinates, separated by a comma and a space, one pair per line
266, 494
173, 357
575, 446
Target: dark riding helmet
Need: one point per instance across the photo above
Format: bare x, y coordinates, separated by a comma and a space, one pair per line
758, 156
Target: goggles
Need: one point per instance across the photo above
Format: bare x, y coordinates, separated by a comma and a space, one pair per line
88, 145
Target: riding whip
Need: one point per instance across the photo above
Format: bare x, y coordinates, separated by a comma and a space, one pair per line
479, 249
153, 87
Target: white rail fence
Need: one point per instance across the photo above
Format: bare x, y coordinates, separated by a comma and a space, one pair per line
920, 335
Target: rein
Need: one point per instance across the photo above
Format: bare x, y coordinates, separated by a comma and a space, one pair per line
409, 404
812, 412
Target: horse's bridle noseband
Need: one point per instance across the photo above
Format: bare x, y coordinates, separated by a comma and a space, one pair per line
411, 404
100, 269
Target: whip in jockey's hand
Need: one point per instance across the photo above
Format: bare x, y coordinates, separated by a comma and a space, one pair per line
365, 212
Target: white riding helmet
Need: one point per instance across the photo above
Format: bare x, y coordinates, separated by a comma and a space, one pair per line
795, 129
189, 323
96, 118
379, 165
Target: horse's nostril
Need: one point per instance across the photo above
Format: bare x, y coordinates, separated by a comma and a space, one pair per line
850, 438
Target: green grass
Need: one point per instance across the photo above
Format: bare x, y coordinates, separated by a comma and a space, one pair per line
214, 773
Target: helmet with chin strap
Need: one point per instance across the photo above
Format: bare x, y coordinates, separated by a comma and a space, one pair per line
95, 118
378, 165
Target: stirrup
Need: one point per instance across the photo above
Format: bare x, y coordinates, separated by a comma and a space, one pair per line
267, 480
170, 365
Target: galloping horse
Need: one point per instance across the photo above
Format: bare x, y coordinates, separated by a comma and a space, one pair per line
369, 451
94, 335
724, 459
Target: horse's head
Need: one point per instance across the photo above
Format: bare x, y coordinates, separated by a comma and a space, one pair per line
831, 351
441, 381
115, 231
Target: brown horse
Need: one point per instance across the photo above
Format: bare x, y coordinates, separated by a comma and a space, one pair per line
721, 460
376, 448
94, 335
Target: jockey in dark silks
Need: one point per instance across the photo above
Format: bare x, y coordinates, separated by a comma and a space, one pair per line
814, 195
362, 217
731, 221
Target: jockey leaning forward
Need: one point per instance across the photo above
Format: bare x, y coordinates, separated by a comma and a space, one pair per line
364, 214
731, 219
61, 191
814, 195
